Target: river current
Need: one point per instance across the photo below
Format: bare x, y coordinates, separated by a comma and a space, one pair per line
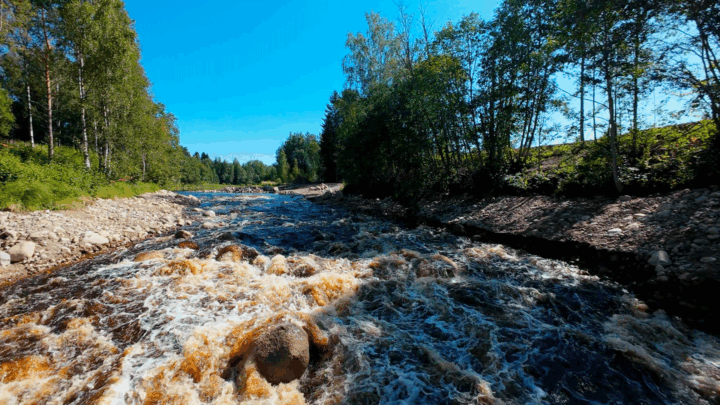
396, 316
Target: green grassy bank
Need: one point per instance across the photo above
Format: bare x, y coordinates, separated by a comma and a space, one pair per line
654, 160
28, 182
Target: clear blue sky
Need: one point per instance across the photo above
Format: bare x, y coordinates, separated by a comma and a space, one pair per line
241, 75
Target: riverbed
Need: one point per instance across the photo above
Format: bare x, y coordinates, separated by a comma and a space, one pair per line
397, 315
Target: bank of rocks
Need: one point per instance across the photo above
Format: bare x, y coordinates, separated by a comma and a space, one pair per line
36, 241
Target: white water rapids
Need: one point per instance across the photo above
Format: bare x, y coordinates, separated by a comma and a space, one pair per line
396, 315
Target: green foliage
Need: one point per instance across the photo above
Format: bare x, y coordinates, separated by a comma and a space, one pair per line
664, 159
7, 119
28, 182
304, 153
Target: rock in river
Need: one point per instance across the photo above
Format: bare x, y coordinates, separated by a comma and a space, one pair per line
282, 353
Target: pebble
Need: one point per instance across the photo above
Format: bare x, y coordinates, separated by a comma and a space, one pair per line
615, 231
209, 213
708, 259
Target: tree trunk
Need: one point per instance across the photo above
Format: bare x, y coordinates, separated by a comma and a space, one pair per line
85, 148
48, 87
582, 99
594, 115
612, 130
30, 117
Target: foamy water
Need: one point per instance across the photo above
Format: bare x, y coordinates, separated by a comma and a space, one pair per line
395, 315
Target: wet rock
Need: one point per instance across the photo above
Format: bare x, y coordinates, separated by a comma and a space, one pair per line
209, 213
227, 236
188, 244
615, 232
708, 259
624, 198
4, 259
282, 353
209, 225
236, 253
659, 258
22, 251
149, 256
183, 234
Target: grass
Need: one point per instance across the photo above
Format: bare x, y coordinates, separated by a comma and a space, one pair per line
28, 182
661, 160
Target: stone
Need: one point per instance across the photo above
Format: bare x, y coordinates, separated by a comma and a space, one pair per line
236, 253
624, 198
664, 207
4, 259
282, 353
227, 236
585, 218
22, 251
663, 279
457, 228
615, 232
701, 200
209, 213
635, 226
9, 235
708, 259
659, 269
39, 235
659, 257
93, 238
183, 234
209, 225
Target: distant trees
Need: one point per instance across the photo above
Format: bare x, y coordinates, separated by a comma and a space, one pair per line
463, 106
303, 153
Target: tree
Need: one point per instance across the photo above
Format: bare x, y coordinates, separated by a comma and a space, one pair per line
329, 141
282, 165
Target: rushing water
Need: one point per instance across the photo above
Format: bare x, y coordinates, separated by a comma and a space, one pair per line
396, 315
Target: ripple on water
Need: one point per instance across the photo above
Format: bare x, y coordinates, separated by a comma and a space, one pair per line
394, 315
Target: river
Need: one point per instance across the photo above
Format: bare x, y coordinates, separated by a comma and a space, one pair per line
396, 316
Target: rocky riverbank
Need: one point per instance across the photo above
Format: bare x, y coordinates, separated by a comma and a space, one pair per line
37, 241
666, 248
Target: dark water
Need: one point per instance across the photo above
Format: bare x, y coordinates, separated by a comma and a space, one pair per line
398, 316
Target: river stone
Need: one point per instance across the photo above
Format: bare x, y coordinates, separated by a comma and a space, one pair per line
22, 251
615, 231
183, 234
93, 238
209, 213
624, 198
4, 259
708, 259
209, 225
660, 258
282, 353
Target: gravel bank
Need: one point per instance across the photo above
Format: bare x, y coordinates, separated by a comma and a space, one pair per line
37, 241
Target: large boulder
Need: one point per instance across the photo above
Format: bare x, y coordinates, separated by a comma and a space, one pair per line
282, 353
22, 251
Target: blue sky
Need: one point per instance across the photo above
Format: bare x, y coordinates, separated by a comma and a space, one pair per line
241, 75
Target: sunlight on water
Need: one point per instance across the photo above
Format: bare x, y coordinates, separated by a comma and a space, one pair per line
393, 315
